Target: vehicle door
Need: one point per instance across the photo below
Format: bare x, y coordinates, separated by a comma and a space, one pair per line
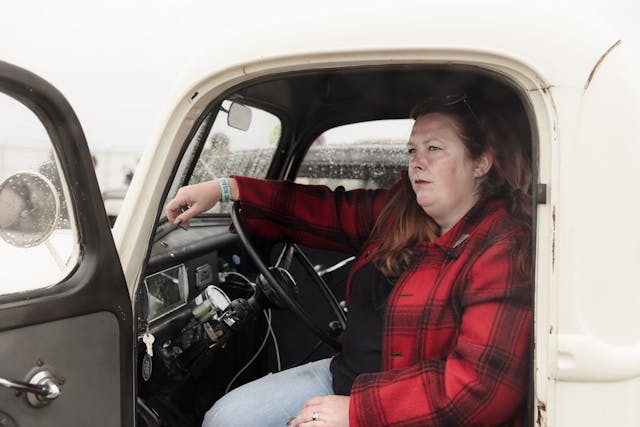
65, 312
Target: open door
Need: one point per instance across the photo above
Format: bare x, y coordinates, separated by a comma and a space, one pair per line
66, 329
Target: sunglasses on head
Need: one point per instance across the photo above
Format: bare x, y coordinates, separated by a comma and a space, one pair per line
451, 100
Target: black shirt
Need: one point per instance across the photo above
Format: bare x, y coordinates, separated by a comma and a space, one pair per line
362, 338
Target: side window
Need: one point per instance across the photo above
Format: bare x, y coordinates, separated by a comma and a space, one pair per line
241, 141
359, 155
38, 239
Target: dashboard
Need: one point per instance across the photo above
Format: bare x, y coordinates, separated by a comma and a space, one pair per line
192, 277
195, 301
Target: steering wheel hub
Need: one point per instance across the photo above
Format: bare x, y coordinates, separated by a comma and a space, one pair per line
268, 296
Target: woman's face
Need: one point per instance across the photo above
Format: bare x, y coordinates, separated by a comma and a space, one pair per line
444, 177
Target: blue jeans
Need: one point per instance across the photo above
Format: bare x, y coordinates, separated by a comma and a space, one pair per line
273, 399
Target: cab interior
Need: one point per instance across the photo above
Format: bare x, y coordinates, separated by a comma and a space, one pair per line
188, 375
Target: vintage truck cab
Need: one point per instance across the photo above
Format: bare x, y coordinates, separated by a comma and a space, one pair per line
282, 98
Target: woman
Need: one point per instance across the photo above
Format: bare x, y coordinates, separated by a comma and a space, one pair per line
439, 297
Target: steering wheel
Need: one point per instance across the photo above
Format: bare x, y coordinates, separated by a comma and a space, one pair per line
279, 290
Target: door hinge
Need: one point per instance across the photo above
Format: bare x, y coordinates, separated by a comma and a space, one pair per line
541, 194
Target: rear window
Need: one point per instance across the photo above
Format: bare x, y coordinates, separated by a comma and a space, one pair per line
360, 155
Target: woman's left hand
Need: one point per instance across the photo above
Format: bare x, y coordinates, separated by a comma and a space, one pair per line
326, 411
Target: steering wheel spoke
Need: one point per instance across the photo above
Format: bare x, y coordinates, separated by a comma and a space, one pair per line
286, 256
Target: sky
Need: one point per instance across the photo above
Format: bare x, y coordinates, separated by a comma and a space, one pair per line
76, 45
138, 47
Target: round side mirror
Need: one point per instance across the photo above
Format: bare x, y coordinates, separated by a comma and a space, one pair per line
29, 209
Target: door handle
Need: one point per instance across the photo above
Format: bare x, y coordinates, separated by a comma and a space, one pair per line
41, 389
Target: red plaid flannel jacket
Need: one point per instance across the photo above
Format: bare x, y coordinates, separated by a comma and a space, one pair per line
455, 348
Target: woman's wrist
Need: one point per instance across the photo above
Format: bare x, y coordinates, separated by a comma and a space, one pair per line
235, 191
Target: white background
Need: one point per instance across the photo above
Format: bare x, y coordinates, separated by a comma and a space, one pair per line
124, 56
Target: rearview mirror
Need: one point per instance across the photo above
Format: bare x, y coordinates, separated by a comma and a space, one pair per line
239, 116
29, 209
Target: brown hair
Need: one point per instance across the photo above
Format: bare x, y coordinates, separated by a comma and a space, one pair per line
403, 223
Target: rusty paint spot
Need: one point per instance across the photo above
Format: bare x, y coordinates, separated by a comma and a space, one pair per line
600, 60
553, 238
542, 410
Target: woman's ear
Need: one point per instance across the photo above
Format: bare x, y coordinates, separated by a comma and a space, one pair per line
483, 164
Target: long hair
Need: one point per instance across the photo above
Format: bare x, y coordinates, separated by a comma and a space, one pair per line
403, 223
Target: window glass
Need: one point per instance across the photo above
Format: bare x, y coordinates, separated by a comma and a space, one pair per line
232, 151
359, 155
38, 243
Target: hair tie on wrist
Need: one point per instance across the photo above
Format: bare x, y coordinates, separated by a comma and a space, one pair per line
226, 190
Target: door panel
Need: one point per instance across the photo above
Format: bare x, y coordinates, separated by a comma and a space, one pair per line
83, 353
79, 329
